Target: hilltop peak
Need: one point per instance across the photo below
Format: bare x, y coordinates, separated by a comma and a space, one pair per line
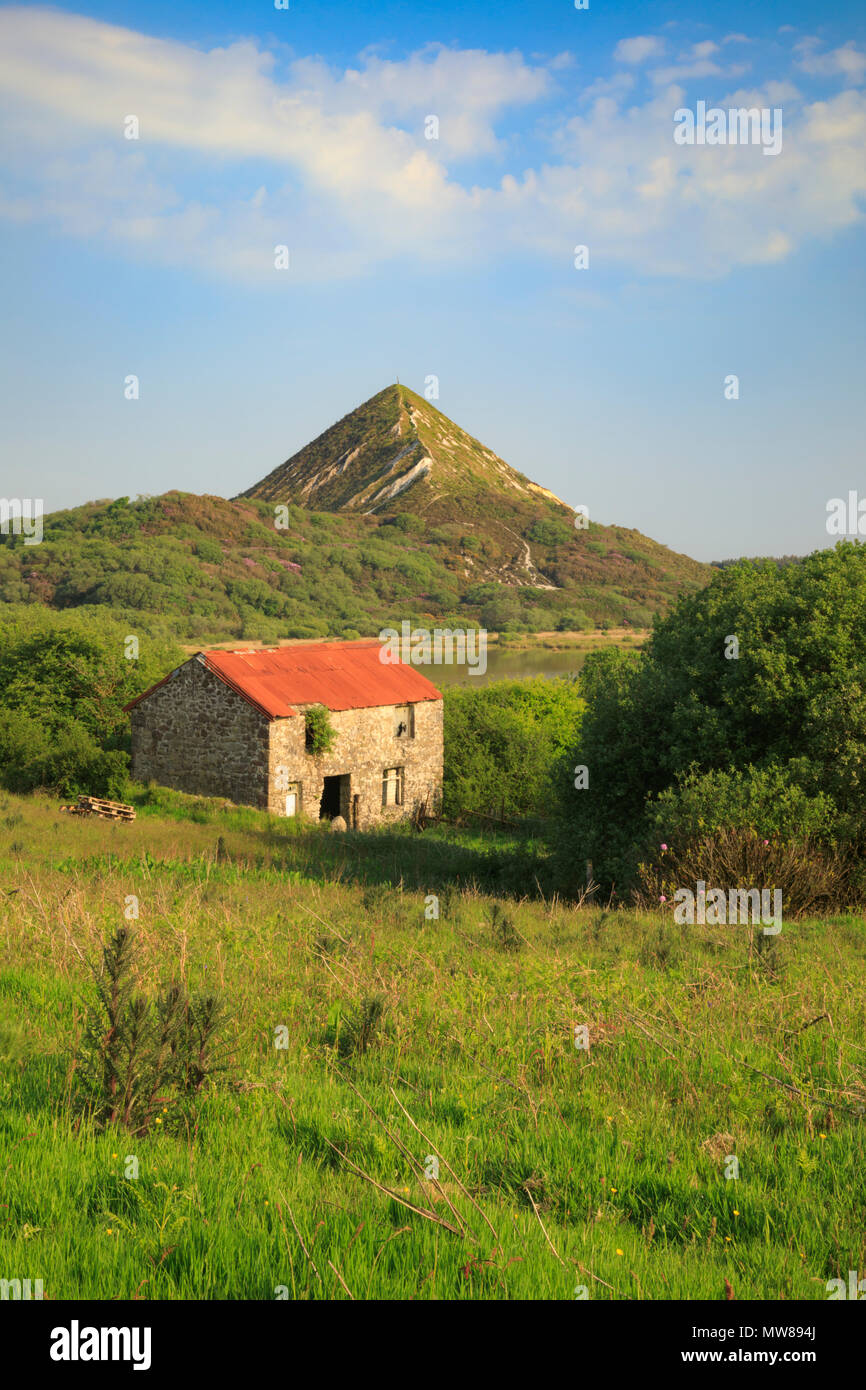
398, 451
396, 458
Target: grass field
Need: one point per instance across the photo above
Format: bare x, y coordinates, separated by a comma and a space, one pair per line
303, 1174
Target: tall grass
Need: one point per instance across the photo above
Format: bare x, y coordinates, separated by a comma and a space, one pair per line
370, 1038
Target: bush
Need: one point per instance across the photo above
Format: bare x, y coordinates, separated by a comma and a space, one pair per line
319, 731
140, 1056
500, 615
574, 621
408, 521
353, 1033
505, 935
209, 551
768, 801
814, 879
502, 742
66, 759
549, 533
133, 591
683, 708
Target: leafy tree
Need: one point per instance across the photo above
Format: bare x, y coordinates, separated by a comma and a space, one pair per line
765, 669
502, 742
67, 759
209, 551
408, 521
64, 679
549, 533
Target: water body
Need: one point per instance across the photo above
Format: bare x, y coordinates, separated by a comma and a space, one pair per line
503, 664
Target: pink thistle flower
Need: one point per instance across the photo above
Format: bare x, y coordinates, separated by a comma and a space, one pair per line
662, 899
664, 847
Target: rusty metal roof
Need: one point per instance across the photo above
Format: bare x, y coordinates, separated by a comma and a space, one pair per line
339, 675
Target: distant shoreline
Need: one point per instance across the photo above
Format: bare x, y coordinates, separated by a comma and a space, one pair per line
520, 641
562, 641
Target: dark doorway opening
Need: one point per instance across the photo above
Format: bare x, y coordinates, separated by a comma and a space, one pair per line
332, 798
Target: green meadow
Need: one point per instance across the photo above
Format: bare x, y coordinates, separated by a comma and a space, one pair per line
305, 1172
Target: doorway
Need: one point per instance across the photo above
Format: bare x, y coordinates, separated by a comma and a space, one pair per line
335, 797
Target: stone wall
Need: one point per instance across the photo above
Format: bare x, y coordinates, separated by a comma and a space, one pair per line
198, 735
365, 745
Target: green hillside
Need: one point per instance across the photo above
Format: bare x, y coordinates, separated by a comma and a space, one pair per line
393, 513
398, 455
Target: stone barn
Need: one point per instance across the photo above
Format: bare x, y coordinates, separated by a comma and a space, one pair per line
233, 724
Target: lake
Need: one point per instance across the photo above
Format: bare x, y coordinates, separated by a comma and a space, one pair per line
505, 664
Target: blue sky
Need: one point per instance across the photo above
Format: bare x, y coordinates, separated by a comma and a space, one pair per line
451, 257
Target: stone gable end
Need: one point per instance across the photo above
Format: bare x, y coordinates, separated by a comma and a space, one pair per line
198, 735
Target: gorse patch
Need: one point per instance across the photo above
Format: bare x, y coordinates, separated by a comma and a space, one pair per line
505, 934
812, 877
153, 1216
141, 1056
353, 1032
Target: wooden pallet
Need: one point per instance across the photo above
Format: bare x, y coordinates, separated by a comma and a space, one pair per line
99, 806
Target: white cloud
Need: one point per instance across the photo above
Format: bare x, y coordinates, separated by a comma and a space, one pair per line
227, 101
694, 67
237, 155
674, 210
638, 49
467, 90
617, 85
849, 61
696, 61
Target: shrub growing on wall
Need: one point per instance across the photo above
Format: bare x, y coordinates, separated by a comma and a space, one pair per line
319, 731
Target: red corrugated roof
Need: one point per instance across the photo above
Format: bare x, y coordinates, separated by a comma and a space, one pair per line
340, 675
